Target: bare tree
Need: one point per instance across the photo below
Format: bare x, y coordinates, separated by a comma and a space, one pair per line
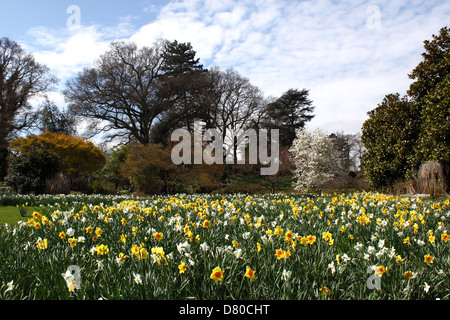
21, 78
119, 95
139, 94
348, 148
234, 105
51, 118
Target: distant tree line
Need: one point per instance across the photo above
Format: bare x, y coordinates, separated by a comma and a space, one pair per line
135, 97
141, 94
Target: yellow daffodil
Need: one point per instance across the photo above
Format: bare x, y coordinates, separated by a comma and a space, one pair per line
217, 274
303, 240
102, 249
73, 241
182, 267
98, 232
135, 250
407, 274
44, 220
143, 253
287, 254
121, 258
278, 231
158, 255
249, 273
206, 224
158, 236
42, 244
326, 236
279, 254
324, 291
380, 270
31, 222
311, 239
288, 237
428, 259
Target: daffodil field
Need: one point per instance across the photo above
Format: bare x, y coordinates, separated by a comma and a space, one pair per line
271, 247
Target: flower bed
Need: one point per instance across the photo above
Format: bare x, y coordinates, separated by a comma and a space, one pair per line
271, 247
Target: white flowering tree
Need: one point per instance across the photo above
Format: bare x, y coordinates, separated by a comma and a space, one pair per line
314, 158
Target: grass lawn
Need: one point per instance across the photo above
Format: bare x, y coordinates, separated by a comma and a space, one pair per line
11, 215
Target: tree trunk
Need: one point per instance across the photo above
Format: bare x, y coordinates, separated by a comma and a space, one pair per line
3, 162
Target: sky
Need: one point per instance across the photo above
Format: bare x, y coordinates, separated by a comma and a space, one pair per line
348, 54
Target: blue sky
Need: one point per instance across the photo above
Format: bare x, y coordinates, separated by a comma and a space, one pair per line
349, 54
22, 15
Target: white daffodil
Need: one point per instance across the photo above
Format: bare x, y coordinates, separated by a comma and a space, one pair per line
9, 286
204, 246
286, 275
71, 282
237, 253
246, 235
137, 278
70, 232
331, 267
183, 247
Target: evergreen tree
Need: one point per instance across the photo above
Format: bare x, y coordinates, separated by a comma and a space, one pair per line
28, 172
431, 93
289, 113
389, 136
179, 58
182, 85
403, 133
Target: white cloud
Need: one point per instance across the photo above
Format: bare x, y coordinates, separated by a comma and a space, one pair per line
326, 46
67, 53
349, 99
